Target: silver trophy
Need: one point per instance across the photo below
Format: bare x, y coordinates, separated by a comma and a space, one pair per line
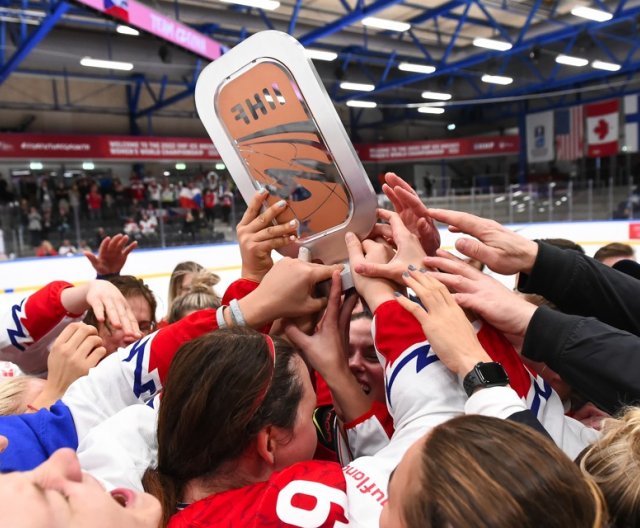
275, 127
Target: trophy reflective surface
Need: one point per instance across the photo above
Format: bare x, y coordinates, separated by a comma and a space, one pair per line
275, 127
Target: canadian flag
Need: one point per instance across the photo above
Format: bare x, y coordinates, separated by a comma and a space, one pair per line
602, 128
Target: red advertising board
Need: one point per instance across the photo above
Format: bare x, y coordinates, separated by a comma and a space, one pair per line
440, 148
37, 147
142, 17
46, 146
634, 230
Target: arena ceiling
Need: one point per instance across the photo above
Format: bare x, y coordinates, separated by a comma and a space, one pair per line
42, 43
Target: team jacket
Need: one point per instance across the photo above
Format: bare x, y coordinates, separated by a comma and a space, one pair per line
30, 327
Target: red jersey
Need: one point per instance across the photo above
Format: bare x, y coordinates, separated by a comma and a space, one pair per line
309, 493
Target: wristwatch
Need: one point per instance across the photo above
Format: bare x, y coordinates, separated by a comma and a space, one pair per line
485, 375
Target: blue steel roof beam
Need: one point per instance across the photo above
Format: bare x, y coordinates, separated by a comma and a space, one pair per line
540, 40
294, 17
392, 59
527, 24
436, 25
603, 47
568, 47
470, 20
493, 22
355, 16
265, 19
444, 9
163, 87
167, 102
418, 44
150, 90
346, 6
455, 35
3, 41
619, 8
33, 40
531, 66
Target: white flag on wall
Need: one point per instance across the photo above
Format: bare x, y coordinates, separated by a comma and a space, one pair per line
540, 143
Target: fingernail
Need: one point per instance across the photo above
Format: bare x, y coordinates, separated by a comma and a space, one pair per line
405, 274
411, 267
348, 236
293, 223
293, 237
281, 203
264, 190
397, 294
422, 270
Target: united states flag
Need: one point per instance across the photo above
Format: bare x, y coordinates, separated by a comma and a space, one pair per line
569, 128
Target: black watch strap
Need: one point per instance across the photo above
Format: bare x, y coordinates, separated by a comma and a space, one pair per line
485, 375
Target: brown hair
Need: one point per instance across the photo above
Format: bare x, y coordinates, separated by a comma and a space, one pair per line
615, 249
239, 392
485, 472
130, 287
200, 295
614, 463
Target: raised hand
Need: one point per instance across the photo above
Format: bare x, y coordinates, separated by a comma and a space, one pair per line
444, 323
502, 250
409, 251
412, 211
112, 254
258, 237
505, 310
77, 349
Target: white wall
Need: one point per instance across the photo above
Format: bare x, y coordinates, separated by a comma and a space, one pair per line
20, 277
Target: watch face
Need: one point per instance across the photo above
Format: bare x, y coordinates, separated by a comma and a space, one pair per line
492, 373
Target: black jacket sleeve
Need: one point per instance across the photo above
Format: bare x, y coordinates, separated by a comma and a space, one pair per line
599, 361
580, 285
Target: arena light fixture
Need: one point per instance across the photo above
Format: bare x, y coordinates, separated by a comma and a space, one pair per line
492, 44
106, 64
268, 5
220, 166
436, 96
568, 60
430, 110
126, 30
496, 79
322, 55
88, 165
35, 165
416, 68
591, 14
383, 23
181, 166
608, 66
362, 104
451, 126
357, 87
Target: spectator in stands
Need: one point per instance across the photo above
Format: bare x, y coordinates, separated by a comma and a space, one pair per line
131, 228
226, 203
101, 234
209, 201
34, 219
148, 225
84, 246
45, 249
154, 191
67, 249
168, 194
94, 203
614, 252
120, 198
189, 225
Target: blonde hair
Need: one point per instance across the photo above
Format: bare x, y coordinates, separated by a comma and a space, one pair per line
201, 295
614, 464
177, 276
12, 395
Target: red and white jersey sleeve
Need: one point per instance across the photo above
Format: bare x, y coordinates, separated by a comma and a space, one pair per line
368, 433
538, 396
305, 494
29, 328
134, 374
